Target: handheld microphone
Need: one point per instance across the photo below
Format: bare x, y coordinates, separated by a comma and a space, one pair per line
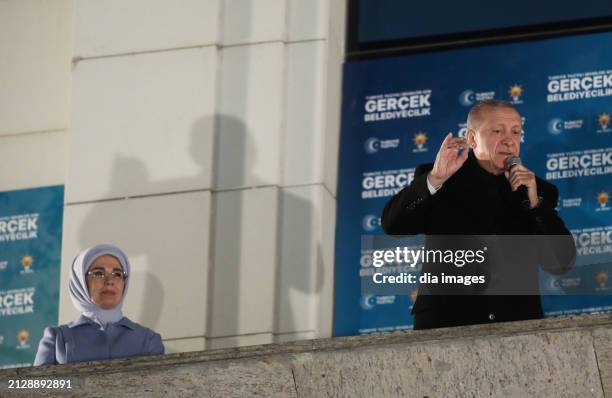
521, 191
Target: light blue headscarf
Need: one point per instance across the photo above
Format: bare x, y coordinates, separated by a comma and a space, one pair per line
78, 284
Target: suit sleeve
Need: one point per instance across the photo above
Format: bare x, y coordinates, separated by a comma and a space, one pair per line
154, 344
559, 249
46, 348
406, 212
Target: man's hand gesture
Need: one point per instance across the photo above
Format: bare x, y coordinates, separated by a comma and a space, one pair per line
448, 160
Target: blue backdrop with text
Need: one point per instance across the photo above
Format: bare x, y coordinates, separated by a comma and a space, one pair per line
30, 251
396, 111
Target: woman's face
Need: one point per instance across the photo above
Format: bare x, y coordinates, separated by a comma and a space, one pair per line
105, 291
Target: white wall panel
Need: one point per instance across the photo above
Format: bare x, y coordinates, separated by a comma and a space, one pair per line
166, 240
142, 124
337, 22
250, 116
300, 259
185, 345
303, 150
283, 338
253, 21
123, 26
307, 19
324, 300
244, 265
306, 262
239, 341
33, 160
333, 110
35, 57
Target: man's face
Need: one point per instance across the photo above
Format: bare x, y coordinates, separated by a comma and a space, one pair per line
496, 137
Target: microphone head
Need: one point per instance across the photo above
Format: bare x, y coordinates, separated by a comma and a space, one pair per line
512, 161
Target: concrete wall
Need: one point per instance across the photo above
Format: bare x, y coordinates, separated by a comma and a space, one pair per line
35, 53
202, 138
558, 357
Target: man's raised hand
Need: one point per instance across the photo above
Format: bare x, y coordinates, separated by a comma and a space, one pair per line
448, 159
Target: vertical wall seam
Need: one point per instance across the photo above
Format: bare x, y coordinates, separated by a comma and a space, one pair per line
212, 222
278, 258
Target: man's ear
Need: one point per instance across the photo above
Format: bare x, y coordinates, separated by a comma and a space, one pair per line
470, 138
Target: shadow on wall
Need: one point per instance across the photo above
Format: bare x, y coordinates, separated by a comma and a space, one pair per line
246, 293
242, 298
143, 235
300, 269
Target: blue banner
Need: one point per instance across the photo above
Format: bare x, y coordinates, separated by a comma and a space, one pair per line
30, 252
396, 112
399, 19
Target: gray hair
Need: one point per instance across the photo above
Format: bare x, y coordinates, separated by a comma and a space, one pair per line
476, 110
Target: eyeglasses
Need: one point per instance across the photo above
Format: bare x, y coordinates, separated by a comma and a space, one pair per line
101, 274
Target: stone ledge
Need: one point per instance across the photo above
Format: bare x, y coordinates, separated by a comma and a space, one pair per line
565, 323
565, 356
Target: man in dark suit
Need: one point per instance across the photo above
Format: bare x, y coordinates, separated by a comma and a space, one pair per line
474, 193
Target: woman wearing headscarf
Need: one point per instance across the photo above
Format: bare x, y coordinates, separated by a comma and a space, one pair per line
99, 281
